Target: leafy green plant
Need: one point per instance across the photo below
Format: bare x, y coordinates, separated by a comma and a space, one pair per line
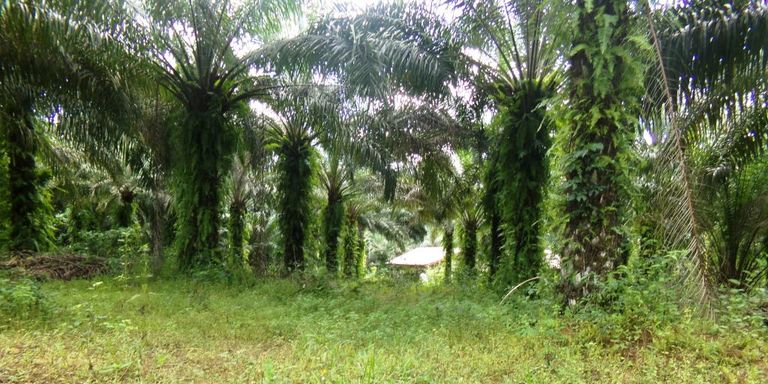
742, 311
696, 93
134, 252
22, 300
635, 302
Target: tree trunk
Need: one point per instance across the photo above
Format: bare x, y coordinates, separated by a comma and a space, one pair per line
604, 89
295, 201
28, 216
236, 229
157, 236
523, 175
496, 241
448, 249
360, 254
258, 256
333, 218
202, 155
469, 245
350, 247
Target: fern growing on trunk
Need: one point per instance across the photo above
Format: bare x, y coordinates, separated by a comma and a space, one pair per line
604, 89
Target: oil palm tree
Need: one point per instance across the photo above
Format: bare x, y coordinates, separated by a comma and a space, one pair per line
705, 108
192, 47
390, 46
524, 41
58, 60
335, 179
306, 115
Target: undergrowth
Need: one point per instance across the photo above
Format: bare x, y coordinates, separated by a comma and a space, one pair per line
203, 329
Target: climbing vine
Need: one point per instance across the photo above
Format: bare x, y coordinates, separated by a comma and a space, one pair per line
204, 146
599, 120
296, 178
523, 173
30, 210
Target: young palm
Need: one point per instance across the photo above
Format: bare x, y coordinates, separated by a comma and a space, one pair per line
705, 108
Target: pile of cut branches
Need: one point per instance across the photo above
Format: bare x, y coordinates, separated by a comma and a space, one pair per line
66, 266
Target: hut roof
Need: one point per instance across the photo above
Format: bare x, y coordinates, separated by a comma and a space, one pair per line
420, 257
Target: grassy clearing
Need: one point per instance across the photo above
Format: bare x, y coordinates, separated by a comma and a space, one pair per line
286, 331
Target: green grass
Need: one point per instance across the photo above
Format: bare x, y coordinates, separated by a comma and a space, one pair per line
285, 331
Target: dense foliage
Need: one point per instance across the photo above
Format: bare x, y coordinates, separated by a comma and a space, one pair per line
598, 167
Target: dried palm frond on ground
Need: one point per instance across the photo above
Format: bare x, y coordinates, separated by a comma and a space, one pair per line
55, 266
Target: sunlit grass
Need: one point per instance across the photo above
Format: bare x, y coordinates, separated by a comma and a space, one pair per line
303, 331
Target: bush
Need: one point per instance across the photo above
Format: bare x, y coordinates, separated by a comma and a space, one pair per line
634, 303
100, 243
22, 299
125, 249
742, 312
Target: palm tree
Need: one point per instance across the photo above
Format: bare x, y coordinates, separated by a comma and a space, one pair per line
238, 202
491, 207
705, 108
420, 53
192, 49
390, 46
522, 39
335, 181
739, 233
305, 115
58, 60
296, 166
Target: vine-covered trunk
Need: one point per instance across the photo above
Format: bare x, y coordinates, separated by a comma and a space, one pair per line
469, 245
527, 253
496, 242
448, 249
5, 207
295, 187
491, 208
202, 154
361, 253
236, 230
350, 247
28, 213
604, 89
333, 221
523, 175
157, 235
258, 256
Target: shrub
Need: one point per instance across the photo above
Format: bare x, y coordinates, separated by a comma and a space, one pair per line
126, 249
634, 303
21, 300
